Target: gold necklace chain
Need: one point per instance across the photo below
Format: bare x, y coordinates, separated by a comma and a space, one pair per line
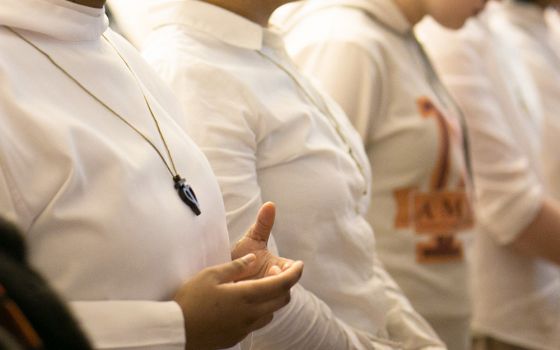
325, 110
172, 172
186, 193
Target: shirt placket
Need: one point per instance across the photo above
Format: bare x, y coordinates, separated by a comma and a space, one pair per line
279, 59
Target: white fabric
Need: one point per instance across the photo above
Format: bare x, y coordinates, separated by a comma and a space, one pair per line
252, 114
524, 25
364, 54
128, 17
553, 22
96, 203
516, 298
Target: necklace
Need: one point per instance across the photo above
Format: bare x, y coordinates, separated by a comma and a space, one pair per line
184, 190
448, 101
323, 107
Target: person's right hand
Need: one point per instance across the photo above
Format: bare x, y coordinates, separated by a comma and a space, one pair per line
219, 313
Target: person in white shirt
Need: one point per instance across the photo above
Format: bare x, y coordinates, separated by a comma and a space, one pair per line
365, 54
516, 277
524, 25
97, 173
270, 135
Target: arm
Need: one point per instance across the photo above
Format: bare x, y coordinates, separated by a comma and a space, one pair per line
541, 238
351, 76
227, 130
511, 204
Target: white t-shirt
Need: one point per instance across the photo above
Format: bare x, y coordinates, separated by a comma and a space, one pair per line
365, 55
524, 25
516, 298
97, 205
271, 136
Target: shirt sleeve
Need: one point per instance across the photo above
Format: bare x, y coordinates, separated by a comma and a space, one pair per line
403, 324
226, 127
352, 77
508, 192
541, 63
132, 325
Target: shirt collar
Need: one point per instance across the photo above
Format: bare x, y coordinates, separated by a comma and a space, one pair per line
212, 20
384, 11
60, 19
527, 15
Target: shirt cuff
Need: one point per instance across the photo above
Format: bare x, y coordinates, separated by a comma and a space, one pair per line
141, 325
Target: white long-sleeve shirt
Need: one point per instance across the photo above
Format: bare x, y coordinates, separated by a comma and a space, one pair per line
270, 135
365, 55
97, 206
525, 26
516, 298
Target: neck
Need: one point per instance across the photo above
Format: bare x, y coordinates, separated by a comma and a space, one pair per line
90, 3
413, 10
257, 11
544, 3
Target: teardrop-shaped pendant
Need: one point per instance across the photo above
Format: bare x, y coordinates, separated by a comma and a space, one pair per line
186, 193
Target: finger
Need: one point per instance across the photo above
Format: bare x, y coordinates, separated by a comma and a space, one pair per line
261, 322
269, 288
265, 310
260, 231
284, 264
273, 305
233, 270
274, 270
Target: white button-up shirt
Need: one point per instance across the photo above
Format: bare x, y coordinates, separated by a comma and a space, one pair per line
96, 203
271, 136
516, 298
365, 55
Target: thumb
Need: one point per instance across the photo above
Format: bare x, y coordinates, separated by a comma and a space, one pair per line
260, 231
234, 270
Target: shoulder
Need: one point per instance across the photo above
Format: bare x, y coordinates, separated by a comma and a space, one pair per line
338, 26
200, 68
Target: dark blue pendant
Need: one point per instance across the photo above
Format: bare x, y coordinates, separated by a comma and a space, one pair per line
186, 193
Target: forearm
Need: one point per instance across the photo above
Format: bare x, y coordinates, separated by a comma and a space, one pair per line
403, 324
307, 323
542, 237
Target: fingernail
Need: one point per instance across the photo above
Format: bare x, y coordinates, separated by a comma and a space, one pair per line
299, 263
287, 265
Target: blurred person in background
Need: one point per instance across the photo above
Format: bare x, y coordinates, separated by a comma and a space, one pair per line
516, 277
365, 54
523, 23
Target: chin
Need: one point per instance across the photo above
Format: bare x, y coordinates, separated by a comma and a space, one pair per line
454, 25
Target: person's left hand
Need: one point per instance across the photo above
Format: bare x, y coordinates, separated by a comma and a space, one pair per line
255, 241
